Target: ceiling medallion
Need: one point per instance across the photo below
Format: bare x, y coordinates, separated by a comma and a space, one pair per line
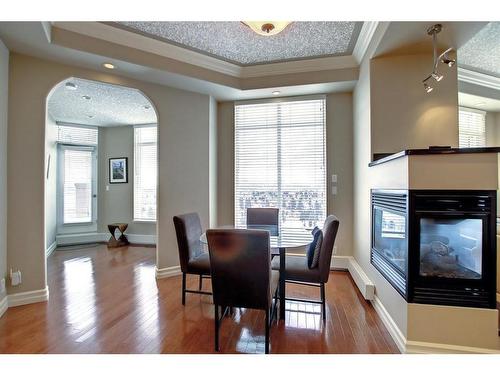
267, 28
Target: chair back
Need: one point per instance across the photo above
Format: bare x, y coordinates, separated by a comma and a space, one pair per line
330, 229
240, 266
264, 218
188, 231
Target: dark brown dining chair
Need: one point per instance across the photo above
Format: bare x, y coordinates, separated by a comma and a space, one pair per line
297, 270
264, 218
192, 257
241, 274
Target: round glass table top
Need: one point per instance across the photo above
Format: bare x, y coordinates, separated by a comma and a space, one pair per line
286, 238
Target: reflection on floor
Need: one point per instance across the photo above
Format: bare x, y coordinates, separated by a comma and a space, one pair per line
108, 301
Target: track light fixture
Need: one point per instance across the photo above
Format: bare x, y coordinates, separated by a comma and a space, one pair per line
443, 58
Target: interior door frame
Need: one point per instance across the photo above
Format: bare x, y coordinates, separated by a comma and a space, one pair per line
85, 227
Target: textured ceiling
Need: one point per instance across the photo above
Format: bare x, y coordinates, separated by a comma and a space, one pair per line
109, 105
235, 42
482, 51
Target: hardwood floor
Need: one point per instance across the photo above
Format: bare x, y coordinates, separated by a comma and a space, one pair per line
108, 301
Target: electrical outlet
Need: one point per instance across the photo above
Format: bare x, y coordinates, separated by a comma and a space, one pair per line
2, 285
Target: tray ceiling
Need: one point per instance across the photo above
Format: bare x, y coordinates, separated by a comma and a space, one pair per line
236, 43
109, 105
482, 52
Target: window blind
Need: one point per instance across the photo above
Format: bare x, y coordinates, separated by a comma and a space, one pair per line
471, 128
77, 186
145, 171
280, 161
77, 135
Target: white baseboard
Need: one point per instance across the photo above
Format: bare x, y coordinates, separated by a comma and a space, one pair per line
4, 304
162, 273
26, 298
364, 284
396, 334
50, 249
83, 238
142, 239
418, 347
80, 238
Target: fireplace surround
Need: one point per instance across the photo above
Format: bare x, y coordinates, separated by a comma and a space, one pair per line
436, 246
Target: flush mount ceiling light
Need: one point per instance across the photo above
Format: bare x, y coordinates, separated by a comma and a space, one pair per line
86, 97
70, 86
108, 65
267, 28
442, 58
276, 92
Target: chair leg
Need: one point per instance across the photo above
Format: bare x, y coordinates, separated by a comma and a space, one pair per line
200, 283
267, 331
183, 288
216, 318
323, 301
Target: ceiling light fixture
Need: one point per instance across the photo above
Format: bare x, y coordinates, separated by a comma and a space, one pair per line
90, 116
70, 86
276, 92
108, 65
443, 57
86, 97
146, 106
267, 28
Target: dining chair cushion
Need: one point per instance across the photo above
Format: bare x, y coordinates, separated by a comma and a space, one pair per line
296, 268
314, 248
200, 264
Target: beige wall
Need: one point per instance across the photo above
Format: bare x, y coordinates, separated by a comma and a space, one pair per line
492, 129
403, 115
117, 203
183, 147
50, 182
4, 79
339, 162
213, 142
363, 175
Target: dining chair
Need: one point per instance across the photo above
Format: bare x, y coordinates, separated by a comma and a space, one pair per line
297, 270
264, 218
193, 258
240, 265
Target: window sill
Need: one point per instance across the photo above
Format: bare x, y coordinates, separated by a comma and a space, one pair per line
143, 221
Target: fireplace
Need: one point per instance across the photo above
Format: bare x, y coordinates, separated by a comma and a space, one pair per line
436, 247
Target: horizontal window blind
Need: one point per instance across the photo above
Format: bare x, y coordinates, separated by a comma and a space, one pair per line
145, 171
280, 161
77, 135
77, 186
471, 128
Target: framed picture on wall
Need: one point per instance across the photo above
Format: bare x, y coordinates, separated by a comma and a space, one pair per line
118, 170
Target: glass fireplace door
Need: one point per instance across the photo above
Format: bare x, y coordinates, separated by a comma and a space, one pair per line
451, 246
389, 236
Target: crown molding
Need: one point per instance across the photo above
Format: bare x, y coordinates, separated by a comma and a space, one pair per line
479, 79
365, 36
140, 42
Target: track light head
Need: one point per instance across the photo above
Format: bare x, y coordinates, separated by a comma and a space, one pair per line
438, 77
449, 62
428, 88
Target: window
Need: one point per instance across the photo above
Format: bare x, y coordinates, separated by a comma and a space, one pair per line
76, 134
280, 160
145, 171
77, 184
77, 174
472, 128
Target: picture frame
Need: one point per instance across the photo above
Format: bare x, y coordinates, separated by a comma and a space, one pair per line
118, 170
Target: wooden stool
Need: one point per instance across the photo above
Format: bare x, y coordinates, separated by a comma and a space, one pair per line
120, 241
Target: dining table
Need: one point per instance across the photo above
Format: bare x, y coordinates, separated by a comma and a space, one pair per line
281, 239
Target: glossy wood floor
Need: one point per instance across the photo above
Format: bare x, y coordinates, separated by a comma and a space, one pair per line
108, 301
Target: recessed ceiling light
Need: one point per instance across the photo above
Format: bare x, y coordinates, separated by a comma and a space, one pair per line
86, 97
90, 116
480, 104
108, 65
70, 86
276, 92
146, 106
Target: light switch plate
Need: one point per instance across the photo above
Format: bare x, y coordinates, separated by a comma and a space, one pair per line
334, 178
334, 190
2, 285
